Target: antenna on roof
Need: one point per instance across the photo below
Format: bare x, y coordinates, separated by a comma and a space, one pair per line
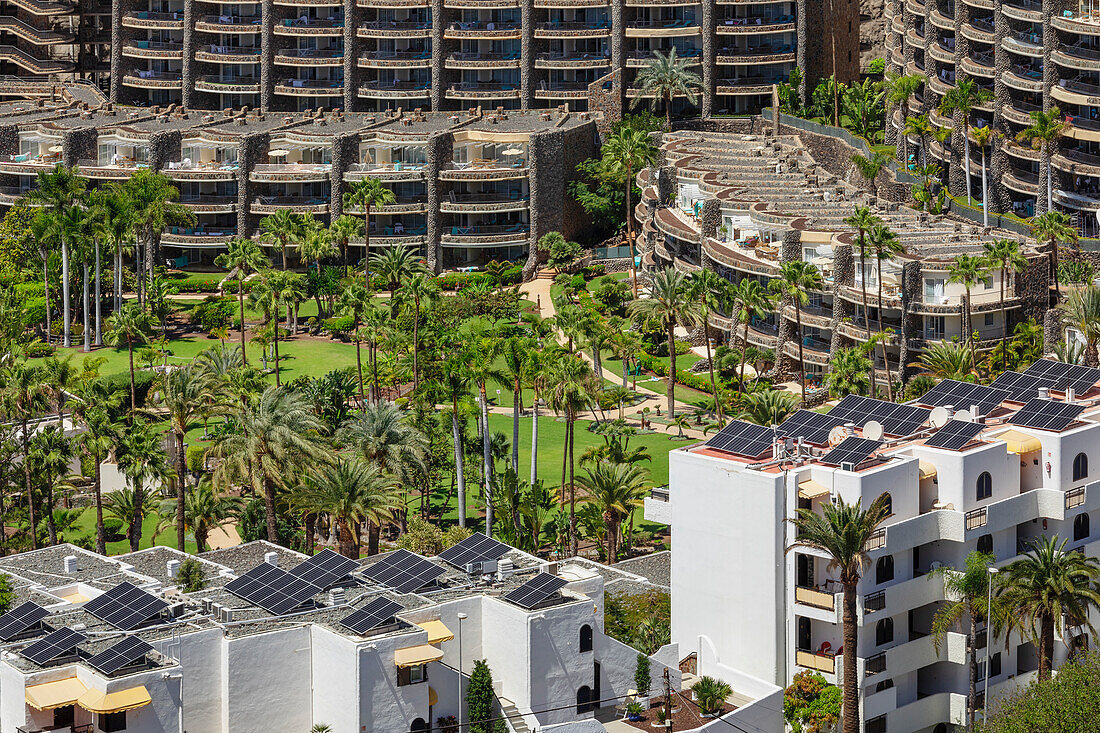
939, 417
837, 435
964, 415
873, 430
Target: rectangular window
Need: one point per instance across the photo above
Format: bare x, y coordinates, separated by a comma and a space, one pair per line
933, 289
934, 327
111, 722
412, 675
989, 319
995, 665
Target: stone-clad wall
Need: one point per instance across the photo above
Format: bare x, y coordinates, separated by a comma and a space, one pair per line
9, 139
440, 150
835, 156
1000, 199
579, 144
1033, 289
438, 46
79, 144
164, 146
527, 56
353, 49
546, 181
268, 70
910, 322
844, 273
345, 152
188, 67
710, 217
253, 149
710, 68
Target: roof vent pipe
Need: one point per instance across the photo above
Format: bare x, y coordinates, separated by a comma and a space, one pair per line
1044, 393
271, 558
850, 428
70, 563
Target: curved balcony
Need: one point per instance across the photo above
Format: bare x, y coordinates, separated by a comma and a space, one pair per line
394, 4
483, 30
487, 172
310, 27
1081, 128
916, 7
228, 55
197, 237
1021, 182
562, 90
941, 21
154, 80
479, 203
914, 38
229, 24
149, 19
309, 57
1025, 44
153, 50
202, 173
1078, 25
941, 53
1020, 152
294, 204
28, 32
401, 205
982, 4
396, 60
642, 59
1077, 161
1024, 79
1077, 57
566, 4
289, 173
1076, 92
1019, 112
395, 29
310, 87
384, 172
93, 169
979, 31
761, 55
891, 296
1028, 11
482, 61
979, 66
487, 234
210, 204
662, 29
481, 4
741, 26
572, 61
747, 85
228, 84
310, 3
395, 90
45, 7
483, 90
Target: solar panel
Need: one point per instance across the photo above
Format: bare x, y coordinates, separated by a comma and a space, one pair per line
475, 548
19, 619
325, 568
376, 613
954, 435
126, 652
1022, 387
1080, 378
963, 395
403, 571
895, 419
1046, 414
272, 589
813, 427
851, 450
536, 590
743, 438
60, 643
125, 606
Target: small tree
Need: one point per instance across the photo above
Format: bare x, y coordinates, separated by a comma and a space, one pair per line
561, 254
479, 698
7, 595
190, 577
810, 704
712, 694
642, 678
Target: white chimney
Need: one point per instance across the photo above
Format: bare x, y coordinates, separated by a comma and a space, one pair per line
271, 558
505, 568
1070, 394
70, 563
1044, 393
850, 428
337, 597
173, 567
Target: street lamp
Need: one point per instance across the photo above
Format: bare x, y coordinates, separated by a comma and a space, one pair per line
988, 640
461, 617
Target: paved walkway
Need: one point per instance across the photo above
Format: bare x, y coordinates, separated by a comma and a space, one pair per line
223, 536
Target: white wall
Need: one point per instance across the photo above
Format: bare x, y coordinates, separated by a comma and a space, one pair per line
267, 680
204, 703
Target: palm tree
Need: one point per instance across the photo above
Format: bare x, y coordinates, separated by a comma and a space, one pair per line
206, 510
129, 325
968, 598
355, 302
421, 289
50, 455
920, 127
283, 229
752, 300
121, 505
947, 360
99, 437
886, 245
768, 406
482, 347
363, 195
453, 385
709, 290
983, 136
1044, 588
843, 531
1042, 134
243, 256
863, 221
1004, 255
277, 437
1082, 311
1056, 229
664, 78
352, 491
625, 153
318, 244
624, 347
617, 489
395, 265
899, 88
114, 220
968, 271
24, 396
870, 167
268, 296
181, 399
963, 98
514, 351
343, 230
849, 373
156, 205
796, 279
142, 460
669, 304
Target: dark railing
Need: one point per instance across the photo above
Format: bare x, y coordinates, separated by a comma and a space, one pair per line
874, 601
1075, 497
312, 53
877, 539
976, 518
875, 664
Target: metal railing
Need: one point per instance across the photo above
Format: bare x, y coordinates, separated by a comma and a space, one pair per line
874, 665
976, 518
874, 601
1075, 497
877, 539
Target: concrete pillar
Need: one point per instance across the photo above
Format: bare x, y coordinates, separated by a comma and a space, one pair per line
117, 9
844, 273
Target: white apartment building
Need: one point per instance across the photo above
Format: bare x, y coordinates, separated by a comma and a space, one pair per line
219, 660
966, 468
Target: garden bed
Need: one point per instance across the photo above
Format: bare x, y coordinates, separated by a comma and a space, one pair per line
687, 717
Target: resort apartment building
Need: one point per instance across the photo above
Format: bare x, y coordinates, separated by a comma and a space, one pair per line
742, 205
276, 641
469, 187
1030, 56
965, 468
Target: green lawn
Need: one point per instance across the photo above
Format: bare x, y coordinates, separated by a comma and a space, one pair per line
85, 526
683, 394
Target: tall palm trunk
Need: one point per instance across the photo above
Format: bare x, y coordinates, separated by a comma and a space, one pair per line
100, 530
1050, 177
1004, 320
133, 388
535, 439
966, 153
460, 477
138, 516
1053, 244
670, 381
345, 539
570, 430
710, 362
630, 229
1046, 645
885, 358
86, 311
269, 510
359, 366
416, 344
488, 461
27, 477
46, 293
972, 697
985, 196
66, 336
968, 329
98, 297
866, 311
517, 405
181, 490
275, 345
366, 244
240, 302
850, 689
744, 354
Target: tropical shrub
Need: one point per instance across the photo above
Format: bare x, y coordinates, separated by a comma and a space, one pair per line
190, 576
214, 313
810, 704
711, 694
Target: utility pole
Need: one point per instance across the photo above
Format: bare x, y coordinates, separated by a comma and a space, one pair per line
668, 702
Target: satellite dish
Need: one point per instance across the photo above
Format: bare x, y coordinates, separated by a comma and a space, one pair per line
837, 435
964, 415
873, 430
939, 417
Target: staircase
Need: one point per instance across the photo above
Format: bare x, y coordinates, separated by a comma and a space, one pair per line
547, 274
512, 716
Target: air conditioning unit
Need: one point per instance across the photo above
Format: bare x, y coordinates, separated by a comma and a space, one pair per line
847, 467
225, 615
206, 606
473, 568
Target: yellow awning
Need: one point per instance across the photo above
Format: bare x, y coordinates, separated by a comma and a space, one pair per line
433, 697
414, 655
810, 489
95, 701
437, 631
50, 695
1020, 442
927, 470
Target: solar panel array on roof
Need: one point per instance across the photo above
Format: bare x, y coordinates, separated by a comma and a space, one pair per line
125, 606
1046, 414
1022, 387
376, 613
851, 450
1080, 378
123, 654
743, 438
60, 643
272, 589
474, 549
536, 590
895, 419
963, 395
954, 435
813, 427
21, 618
325, 568
403, 571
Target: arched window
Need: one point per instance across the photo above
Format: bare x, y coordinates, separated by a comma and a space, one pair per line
884, 569
1080, 527
884, 631
1080, 467
985, 486
419, 726
940, 728
985, 544
586, 638
584, 698
889, 500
